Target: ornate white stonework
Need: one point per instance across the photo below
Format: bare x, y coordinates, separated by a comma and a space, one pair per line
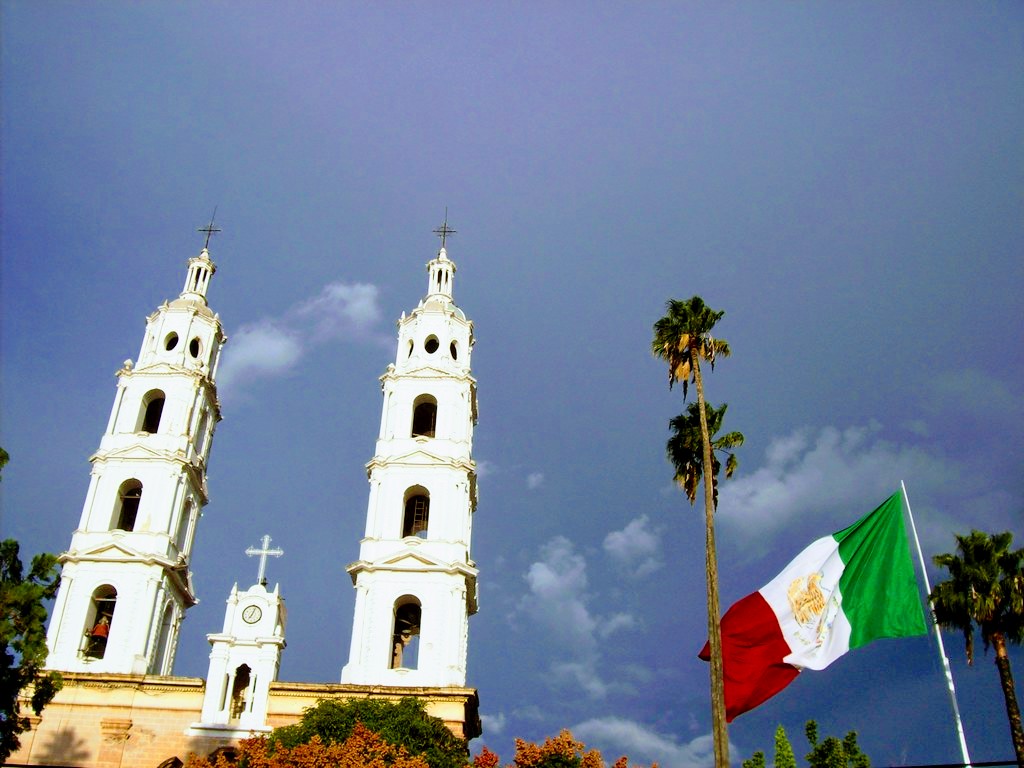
244, 661
125, 583
415, 580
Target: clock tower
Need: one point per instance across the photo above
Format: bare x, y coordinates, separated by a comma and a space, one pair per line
415, 579
245, 658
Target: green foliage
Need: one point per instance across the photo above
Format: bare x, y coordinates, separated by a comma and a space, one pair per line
682, 338
828, 753
985, 589
23, 639
685, 448
784, 757
833, 753
985, 592
402, 724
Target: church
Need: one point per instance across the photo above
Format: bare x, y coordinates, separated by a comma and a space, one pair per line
126, 584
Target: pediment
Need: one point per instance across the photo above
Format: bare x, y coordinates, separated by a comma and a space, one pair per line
418, 457
133, 451
108, 550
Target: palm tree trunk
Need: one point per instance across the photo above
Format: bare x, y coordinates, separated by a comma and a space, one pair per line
719, 729
1012, 710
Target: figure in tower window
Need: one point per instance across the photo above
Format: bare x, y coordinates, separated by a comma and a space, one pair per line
97, 645
407, 627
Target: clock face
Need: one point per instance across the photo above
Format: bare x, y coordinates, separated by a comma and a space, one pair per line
251, 614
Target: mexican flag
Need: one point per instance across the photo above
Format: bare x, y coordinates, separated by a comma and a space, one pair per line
841, 592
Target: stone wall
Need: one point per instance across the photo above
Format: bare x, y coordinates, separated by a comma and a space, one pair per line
136, 721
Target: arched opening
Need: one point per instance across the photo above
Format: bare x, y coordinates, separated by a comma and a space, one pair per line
162, 656
417, 512
153, 403
405, 647
431, 344
181, 534
454, 349
129, 497
98, 620
200, 437
240, 691
424, 416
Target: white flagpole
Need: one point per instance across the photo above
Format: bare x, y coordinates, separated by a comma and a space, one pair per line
938, 634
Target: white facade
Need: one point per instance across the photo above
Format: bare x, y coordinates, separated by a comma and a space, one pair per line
415, 580
125, 583
244, 661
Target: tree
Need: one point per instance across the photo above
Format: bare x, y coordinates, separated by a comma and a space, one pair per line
404, 723
362, 749
832, 752
685, 448
985, 591
682, 338
23, 637
784, 757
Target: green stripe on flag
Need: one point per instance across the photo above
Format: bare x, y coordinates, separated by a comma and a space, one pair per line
880, 593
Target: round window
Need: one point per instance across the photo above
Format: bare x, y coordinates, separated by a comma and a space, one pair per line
195, 347
431, 344
455, 351
171, 341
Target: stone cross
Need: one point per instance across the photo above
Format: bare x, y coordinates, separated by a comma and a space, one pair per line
275, 552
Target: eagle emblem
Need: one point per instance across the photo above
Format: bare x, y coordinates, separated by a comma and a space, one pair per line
806, 598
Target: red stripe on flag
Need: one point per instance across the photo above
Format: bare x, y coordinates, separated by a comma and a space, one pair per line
753, 650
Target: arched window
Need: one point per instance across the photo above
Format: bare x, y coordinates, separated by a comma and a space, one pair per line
153, 403
240, 691
181, 535
200, 436
162, 655
405, 637
129, 498
424, 416
98, 621
417, 513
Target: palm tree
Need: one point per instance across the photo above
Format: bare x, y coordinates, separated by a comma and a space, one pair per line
682, 338
685, 448
986, 590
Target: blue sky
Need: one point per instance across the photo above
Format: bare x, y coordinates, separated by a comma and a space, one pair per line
844, 180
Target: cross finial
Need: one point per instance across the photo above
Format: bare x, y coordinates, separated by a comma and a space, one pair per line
444, 230
266, 550
209, 229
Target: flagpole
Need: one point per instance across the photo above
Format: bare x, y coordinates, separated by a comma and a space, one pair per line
938, 634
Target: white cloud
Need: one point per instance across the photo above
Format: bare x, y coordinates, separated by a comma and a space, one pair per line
494, 725
534, 480
636, 548
557, 606
808, 475
274, 346
615, 736
262, 349
340, 310
485, 468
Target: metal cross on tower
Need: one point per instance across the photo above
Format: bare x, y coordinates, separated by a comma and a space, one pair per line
209, 229
275, 552
444, 230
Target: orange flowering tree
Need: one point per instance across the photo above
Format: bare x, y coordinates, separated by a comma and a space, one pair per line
363, 749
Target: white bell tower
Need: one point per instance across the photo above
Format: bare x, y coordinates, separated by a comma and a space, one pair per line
415, 579
125, 583
245, 658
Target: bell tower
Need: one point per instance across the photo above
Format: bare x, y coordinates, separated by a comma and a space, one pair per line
415, 580
125, 584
